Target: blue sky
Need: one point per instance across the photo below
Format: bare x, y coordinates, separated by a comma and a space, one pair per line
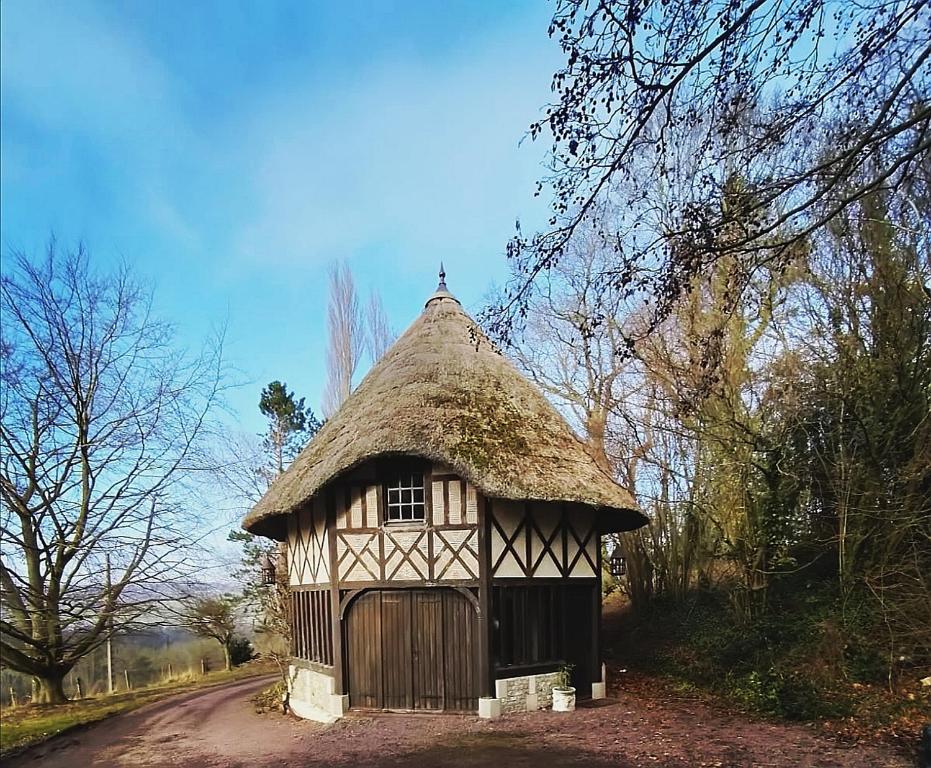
230, 151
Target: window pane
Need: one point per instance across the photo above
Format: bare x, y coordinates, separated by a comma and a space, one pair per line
405, 498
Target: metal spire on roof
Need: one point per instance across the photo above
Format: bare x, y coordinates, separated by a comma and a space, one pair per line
442, 285
441, 292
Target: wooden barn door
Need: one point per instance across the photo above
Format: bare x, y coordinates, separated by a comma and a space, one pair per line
363, 647
460, 643
412, 650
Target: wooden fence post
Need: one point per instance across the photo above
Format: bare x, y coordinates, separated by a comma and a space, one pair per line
12, 697
126, 675
169, 671
203, 666
80, 689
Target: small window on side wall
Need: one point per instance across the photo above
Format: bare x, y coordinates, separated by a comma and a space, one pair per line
405, 498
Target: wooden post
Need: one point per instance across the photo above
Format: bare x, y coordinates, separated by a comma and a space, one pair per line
203, 666
336, 628
126, 675
12, 697
596, 619
80, 689
486, 670
109, 636
169, 671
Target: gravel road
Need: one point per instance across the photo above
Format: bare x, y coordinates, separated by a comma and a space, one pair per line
214, 727
219, 727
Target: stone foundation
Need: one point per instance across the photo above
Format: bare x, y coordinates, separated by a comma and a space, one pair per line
313, 695
527, 693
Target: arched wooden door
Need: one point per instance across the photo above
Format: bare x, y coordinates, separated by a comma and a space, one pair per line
412, 649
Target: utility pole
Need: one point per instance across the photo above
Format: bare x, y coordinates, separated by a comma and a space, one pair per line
109, 633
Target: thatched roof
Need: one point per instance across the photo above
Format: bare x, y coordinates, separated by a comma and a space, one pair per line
444, 393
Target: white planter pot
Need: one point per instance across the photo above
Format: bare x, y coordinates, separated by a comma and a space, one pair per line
564, 699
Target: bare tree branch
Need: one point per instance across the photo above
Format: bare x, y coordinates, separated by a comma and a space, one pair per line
101, 420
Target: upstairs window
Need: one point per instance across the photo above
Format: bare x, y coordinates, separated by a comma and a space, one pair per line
405, 498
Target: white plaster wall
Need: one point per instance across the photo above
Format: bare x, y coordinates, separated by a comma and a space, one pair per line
308, 547
547, 534
433, 552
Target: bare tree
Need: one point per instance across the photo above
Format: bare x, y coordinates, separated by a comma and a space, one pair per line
346, 339
379, 334
794, 99
101, 423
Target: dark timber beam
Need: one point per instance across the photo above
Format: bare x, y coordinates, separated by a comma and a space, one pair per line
336, 623
485, 665
596, 626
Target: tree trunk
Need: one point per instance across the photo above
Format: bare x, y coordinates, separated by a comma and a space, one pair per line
50, 689
226, 657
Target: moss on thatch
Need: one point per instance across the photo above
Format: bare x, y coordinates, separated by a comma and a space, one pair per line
442, 392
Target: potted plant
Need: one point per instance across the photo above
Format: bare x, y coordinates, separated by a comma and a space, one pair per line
563, 692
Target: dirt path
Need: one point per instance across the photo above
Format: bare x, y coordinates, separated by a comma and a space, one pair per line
219, 727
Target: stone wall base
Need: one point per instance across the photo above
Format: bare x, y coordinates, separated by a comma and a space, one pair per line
527, 693
313, 695
531, 692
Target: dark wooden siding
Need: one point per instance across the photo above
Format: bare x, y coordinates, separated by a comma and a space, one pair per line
427, 648
363, 644
412, 649
539, 627
396, 650
311, 626
460, 646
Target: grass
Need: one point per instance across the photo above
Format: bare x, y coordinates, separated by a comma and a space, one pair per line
31, 724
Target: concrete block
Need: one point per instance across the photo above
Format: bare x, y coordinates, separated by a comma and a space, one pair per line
598, 690
310, 712
488, 708
339, 705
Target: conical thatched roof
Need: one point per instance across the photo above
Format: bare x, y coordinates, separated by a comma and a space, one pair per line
442, 392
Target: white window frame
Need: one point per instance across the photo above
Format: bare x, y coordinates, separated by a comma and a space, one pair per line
405, 499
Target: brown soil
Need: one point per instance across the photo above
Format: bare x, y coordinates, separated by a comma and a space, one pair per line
220, 727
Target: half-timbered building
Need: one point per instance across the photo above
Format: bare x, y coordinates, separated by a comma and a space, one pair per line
443, 536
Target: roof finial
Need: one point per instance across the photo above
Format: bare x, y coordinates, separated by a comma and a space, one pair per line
442, 292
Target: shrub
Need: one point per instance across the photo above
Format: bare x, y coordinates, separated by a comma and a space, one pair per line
241, 651
790, 695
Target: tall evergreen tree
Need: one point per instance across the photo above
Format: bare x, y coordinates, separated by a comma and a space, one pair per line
290, 425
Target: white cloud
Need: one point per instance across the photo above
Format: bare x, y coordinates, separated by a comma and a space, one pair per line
72, 70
